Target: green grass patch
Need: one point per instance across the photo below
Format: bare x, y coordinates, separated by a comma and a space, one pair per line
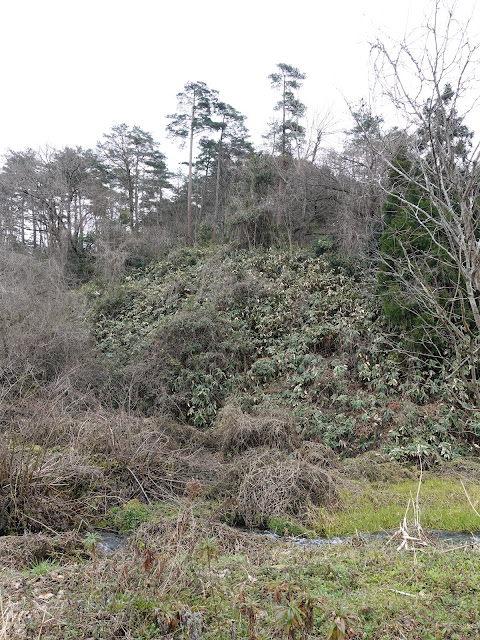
42, 567
286, 527
129, 516
371, 507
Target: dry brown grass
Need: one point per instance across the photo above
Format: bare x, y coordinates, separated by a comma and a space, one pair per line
20, 552
318, 454
374, 466
237, 431
111, 597
8, 619
148, 459
45, 490
266, 483
168, 535
131, 438
59, 467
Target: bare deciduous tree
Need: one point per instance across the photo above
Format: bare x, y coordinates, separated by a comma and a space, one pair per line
431, 244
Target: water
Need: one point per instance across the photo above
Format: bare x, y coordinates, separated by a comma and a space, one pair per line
109, 542
455, 538
437, 537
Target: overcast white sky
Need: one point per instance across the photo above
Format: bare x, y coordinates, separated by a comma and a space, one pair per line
70, 70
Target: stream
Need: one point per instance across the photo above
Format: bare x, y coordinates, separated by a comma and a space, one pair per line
447, 538
110, 541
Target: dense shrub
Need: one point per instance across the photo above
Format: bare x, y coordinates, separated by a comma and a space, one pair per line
186, 367
265, 328
42, 331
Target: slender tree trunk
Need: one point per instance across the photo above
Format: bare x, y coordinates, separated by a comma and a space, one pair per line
283, 126
190, 183
34, 227
136, 195
23, 223
77, 225
281, 181
131, 196
204, 187
69, 217
217, 184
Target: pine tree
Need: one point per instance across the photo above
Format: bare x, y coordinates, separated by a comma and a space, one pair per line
287, 80
195, 110
128, 160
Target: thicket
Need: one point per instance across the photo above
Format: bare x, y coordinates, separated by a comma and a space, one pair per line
44, 333
212, 327
314, 319
247, 370
328, 303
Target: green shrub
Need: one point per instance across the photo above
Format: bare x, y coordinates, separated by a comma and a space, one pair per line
128, 517
324, 243
272, 328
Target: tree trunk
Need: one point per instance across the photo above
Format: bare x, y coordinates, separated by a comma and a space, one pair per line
281, 181
190, 184
217, 183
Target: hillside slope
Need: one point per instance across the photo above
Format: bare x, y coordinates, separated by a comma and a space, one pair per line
206, 328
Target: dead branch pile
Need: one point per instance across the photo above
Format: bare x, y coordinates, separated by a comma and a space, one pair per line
59, 467
318, 454
148, 459
237, 431
265, 483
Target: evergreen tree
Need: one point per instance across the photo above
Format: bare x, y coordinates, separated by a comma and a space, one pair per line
287, 80
195, 110
224, 153
130, 162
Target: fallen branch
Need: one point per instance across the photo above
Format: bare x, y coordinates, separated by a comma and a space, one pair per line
405, 593
411, 534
